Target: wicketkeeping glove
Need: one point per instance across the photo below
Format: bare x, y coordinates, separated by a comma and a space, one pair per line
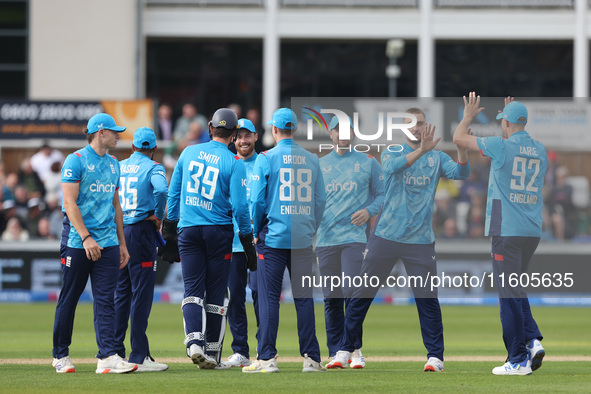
170, 251
249, 251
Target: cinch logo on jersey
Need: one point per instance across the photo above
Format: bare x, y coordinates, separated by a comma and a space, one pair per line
99, 187
337, 186
416, 180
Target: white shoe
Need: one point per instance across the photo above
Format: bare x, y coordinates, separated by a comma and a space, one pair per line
536, 353
340, 360
114, 364
63, 365
262, 366
312, 366
223, 365
522, 368
200, 358
149, 365
238, 360
434, 365
357, 360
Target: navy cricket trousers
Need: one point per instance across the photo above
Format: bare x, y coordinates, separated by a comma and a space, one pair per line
135, 290
206, 253
511, 256
76, 269
271, 267
237, 319
419, 261
338, 261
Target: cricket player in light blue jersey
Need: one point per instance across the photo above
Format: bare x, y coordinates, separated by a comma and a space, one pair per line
354, 187
404, 230
207, 190
287, 195
514, 221
93, 245
239, 274
143, 200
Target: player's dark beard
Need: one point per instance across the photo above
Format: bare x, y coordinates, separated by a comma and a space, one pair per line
243, 152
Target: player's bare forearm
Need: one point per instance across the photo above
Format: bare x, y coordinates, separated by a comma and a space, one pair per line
462, 153
412, 157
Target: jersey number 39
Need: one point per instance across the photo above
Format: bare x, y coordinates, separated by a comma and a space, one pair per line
206, 177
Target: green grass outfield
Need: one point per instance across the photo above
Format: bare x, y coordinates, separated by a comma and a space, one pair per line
392, 344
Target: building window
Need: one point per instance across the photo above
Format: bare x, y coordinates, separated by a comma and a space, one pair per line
14, 61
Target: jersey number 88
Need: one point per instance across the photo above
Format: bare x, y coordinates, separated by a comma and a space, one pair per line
303, 188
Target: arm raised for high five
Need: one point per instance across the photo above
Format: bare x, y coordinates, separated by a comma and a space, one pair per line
427, 144
462, 137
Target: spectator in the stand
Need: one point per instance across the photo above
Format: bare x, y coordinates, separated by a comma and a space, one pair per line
7, 212
473, 185
476, 216
55, 216
43, 230
476, 230
29, 178
9, 185
53, 182
21, 198
553, 164
183, 124
14, 231
236, 108
444, 208
41, 161
165, 123
254, 115
450, 229
34, 215
450, 187
562, 209
2, 181
193, 137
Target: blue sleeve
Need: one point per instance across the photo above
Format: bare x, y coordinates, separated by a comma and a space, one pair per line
174, 190
452, 170
72, 169
393, 162
376, 188
319, 196
238, 197
258, 188
158, 180
493, 147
